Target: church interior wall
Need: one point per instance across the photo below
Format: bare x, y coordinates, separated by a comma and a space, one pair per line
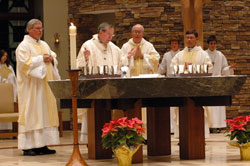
55, 14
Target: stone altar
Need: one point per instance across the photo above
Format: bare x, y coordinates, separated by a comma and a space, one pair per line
130, 94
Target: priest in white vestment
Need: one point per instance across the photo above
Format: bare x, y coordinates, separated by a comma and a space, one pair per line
38, 116
220, 68
7, 75
192, 55
164, 69
141, 54
98, 52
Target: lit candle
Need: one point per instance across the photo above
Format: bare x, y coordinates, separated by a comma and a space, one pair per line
72, 34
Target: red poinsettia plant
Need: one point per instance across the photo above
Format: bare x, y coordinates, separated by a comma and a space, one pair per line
239, 129
122, 131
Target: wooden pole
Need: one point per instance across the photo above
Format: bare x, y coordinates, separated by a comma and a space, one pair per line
76, 158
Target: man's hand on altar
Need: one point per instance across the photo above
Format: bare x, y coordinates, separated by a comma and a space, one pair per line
86, 53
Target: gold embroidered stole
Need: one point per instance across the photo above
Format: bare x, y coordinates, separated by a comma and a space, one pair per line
51, 101
138, 63
190, 57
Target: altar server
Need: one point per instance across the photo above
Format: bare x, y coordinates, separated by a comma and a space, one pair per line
221, 67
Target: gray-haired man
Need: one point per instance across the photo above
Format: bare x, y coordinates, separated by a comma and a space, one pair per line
38, 116
99, 51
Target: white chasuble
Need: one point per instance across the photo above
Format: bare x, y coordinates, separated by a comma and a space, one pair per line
100, 55
196, 56
150, 61
38, 116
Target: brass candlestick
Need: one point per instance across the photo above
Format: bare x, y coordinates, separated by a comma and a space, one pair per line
76, 158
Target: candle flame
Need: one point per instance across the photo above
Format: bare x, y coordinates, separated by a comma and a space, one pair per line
72, 24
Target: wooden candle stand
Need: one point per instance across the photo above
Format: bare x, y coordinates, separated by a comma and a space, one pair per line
76, 158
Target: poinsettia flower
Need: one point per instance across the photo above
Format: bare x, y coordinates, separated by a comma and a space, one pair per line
248, 118
122, 121
230, 122
122, 131
138, 121
131, 123
237, 127
107, 128
240, 119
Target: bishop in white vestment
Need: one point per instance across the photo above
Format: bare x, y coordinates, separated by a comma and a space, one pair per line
38, 116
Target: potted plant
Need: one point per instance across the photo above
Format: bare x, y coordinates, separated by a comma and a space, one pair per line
124, 136
239, 130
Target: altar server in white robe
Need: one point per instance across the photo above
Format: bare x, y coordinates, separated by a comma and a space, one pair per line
7, 75
38, 116
97, 52
164, 69
192, 54
220, 68
141, 54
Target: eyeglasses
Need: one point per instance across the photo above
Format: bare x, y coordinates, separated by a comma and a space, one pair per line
109, 34
137, 32
38, 28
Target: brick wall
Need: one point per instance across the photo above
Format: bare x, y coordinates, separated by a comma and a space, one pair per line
227, 19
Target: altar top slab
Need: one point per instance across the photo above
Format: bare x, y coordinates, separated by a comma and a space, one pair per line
125, 88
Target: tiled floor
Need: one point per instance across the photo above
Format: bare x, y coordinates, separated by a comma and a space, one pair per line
218, 153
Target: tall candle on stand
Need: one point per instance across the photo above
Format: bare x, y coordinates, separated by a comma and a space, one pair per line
72, 34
